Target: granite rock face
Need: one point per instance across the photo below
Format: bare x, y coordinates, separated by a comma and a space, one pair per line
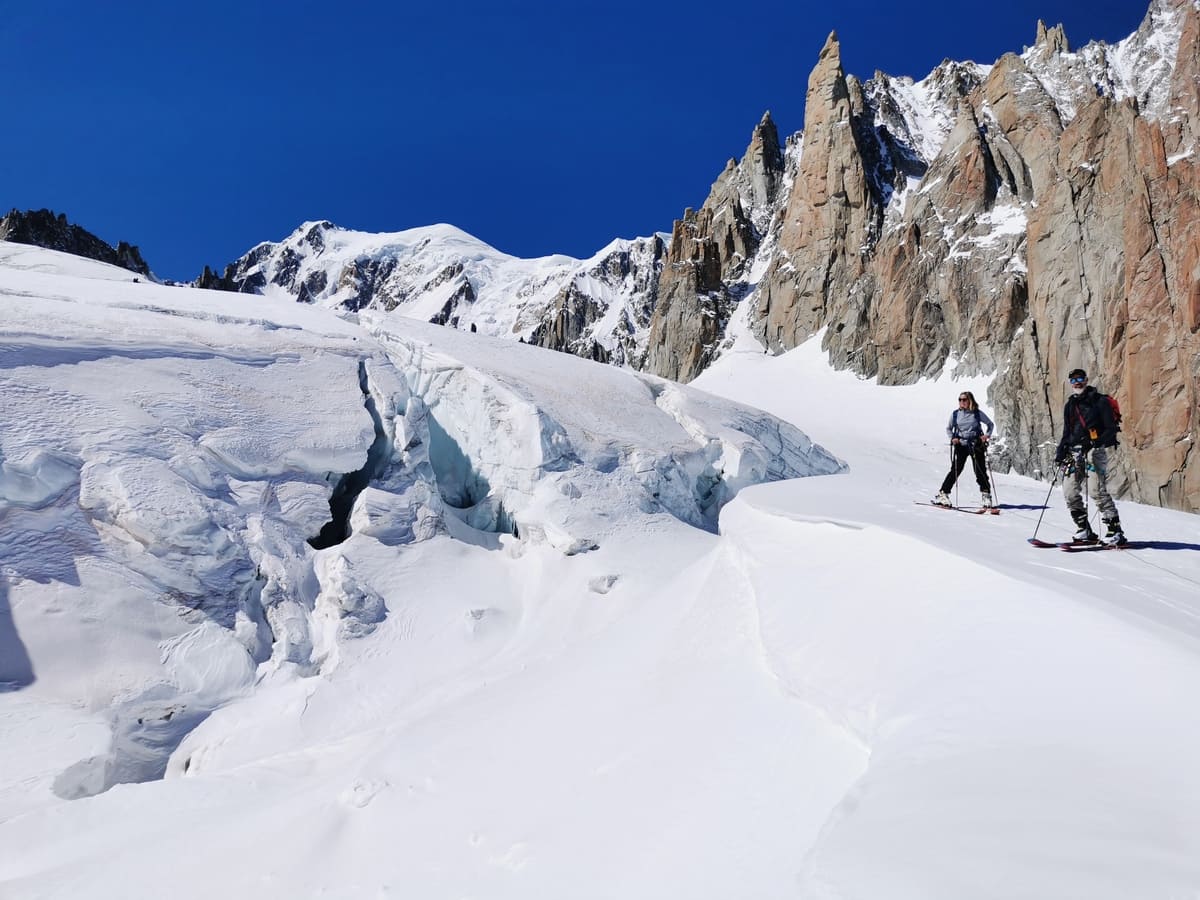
603, 312
1020, 219
693, 304
1114, 271
710, 256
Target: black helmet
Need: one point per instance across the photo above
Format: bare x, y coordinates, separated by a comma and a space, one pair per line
1076, 373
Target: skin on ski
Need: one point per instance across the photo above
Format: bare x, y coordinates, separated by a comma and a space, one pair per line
1077, 546
1064, 545
977, 511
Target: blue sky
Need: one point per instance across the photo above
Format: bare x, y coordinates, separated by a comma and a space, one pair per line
197, 130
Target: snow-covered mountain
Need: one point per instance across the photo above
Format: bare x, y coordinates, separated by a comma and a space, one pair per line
328, 599
1026, 217
597, 308
562, 632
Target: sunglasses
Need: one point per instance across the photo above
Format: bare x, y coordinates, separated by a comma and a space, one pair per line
964, 399
1078, 381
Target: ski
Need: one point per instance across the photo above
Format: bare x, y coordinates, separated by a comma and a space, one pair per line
1079, 548
1064, 545
973, 510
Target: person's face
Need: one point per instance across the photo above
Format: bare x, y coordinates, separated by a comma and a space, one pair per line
964, 400
1078, 384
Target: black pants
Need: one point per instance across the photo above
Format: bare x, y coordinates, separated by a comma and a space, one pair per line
978, 455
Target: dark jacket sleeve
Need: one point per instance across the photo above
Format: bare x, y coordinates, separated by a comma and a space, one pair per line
1061, 453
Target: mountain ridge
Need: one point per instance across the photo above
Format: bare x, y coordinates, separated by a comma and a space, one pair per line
978, 214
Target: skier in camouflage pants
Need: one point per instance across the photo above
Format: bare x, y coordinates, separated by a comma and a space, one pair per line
1089, 430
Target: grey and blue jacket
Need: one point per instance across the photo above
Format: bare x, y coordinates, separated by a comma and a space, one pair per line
968, 424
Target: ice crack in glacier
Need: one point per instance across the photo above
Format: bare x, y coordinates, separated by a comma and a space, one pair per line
350, 485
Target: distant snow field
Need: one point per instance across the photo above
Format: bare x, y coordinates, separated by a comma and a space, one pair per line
297, 604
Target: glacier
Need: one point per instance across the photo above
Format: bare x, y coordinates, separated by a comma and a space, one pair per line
581, 632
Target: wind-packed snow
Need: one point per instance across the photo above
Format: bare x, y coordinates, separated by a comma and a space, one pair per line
579, 641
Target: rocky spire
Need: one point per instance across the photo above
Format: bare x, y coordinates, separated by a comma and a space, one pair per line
1051, 40
764, 161
709, 249
693, 306
831, 203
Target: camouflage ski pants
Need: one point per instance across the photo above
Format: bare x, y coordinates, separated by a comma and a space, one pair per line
1095, 472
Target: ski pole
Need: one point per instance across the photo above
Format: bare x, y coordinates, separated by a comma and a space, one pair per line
954, 471
992, 483
1081, 465
1046, 502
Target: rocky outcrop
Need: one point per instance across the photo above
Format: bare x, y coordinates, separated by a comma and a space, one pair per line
1181, 124
1021, 219
43, 228
709, 257
742, 200
211, 281
580, 322
831, 219
1114, 268
946, 278
1051, 40
694, 304
568, 326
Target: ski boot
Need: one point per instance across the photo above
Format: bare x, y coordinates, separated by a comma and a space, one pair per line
942, 499
1084, 533
986, 500
1113, 535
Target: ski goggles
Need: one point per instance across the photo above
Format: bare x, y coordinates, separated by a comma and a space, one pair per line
1079, 381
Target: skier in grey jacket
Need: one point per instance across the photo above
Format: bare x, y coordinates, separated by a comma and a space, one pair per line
969, 430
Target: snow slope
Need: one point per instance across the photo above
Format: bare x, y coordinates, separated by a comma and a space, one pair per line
831, 693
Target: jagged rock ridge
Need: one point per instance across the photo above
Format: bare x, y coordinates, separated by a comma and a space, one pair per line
1021, 218
42, 228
